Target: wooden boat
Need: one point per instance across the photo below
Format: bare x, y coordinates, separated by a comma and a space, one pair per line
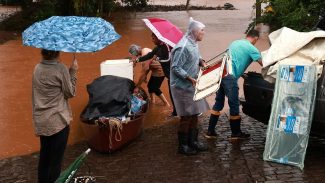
107, 138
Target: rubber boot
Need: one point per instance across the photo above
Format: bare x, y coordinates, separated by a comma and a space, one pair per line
236, 132
193, 141
235, 126
183, 147
213, 122
212, 125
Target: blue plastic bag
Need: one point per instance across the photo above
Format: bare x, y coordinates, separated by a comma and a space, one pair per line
136, 104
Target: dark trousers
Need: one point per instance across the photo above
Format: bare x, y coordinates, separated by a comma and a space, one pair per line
51, 155
171, 98
154, 84
166, 68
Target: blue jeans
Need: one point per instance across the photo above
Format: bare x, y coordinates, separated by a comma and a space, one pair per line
229, 88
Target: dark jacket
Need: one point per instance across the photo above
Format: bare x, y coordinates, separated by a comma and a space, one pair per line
162, 52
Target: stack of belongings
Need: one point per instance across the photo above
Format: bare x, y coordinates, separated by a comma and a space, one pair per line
113, 103
295, 62
112, 97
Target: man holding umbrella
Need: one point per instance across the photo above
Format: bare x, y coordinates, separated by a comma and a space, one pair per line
165, 36
53, 84
162, 52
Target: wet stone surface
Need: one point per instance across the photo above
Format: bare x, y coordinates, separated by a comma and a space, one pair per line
153, 158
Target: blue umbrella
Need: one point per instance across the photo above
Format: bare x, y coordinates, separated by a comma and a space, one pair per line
70, 34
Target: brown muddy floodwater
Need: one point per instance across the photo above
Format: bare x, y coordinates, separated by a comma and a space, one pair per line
17, 63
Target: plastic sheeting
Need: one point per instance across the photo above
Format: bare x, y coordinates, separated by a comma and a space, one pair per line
286, 42
290, 47
108, 96
292, 114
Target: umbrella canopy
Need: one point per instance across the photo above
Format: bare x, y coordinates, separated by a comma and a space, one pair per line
164, 30
70, 34
68, 173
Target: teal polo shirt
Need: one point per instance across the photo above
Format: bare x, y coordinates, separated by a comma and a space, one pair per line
243, 53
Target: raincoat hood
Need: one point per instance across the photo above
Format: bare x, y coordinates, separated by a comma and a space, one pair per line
190, 36
193, 28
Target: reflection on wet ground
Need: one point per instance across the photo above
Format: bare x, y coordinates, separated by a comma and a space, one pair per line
17, 64
152, 158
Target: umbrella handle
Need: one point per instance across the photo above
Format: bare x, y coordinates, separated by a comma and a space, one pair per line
74, 63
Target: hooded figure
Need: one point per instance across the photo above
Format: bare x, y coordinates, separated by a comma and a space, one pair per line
185, 66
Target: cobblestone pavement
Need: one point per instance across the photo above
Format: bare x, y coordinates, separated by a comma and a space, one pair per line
153, 158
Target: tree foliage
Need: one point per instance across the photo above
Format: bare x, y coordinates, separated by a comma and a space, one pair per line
300, 15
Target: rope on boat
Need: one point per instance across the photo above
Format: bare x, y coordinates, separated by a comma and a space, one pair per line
114, 122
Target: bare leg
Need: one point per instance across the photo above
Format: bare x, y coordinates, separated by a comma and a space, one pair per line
163, 98
152, 97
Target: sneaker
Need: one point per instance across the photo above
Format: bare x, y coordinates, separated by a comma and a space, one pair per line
210, 135
240, 135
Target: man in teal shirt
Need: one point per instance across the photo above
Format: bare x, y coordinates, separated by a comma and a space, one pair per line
242, 53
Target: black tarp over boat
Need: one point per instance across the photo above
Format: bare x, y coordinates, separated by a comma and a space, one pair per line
110, 97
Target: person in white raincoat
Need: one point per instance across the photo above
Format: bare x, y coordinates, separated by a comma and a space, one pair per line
185, 66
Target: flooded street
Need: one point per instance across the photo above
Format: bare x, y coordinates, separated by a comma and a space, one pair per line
18, 61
